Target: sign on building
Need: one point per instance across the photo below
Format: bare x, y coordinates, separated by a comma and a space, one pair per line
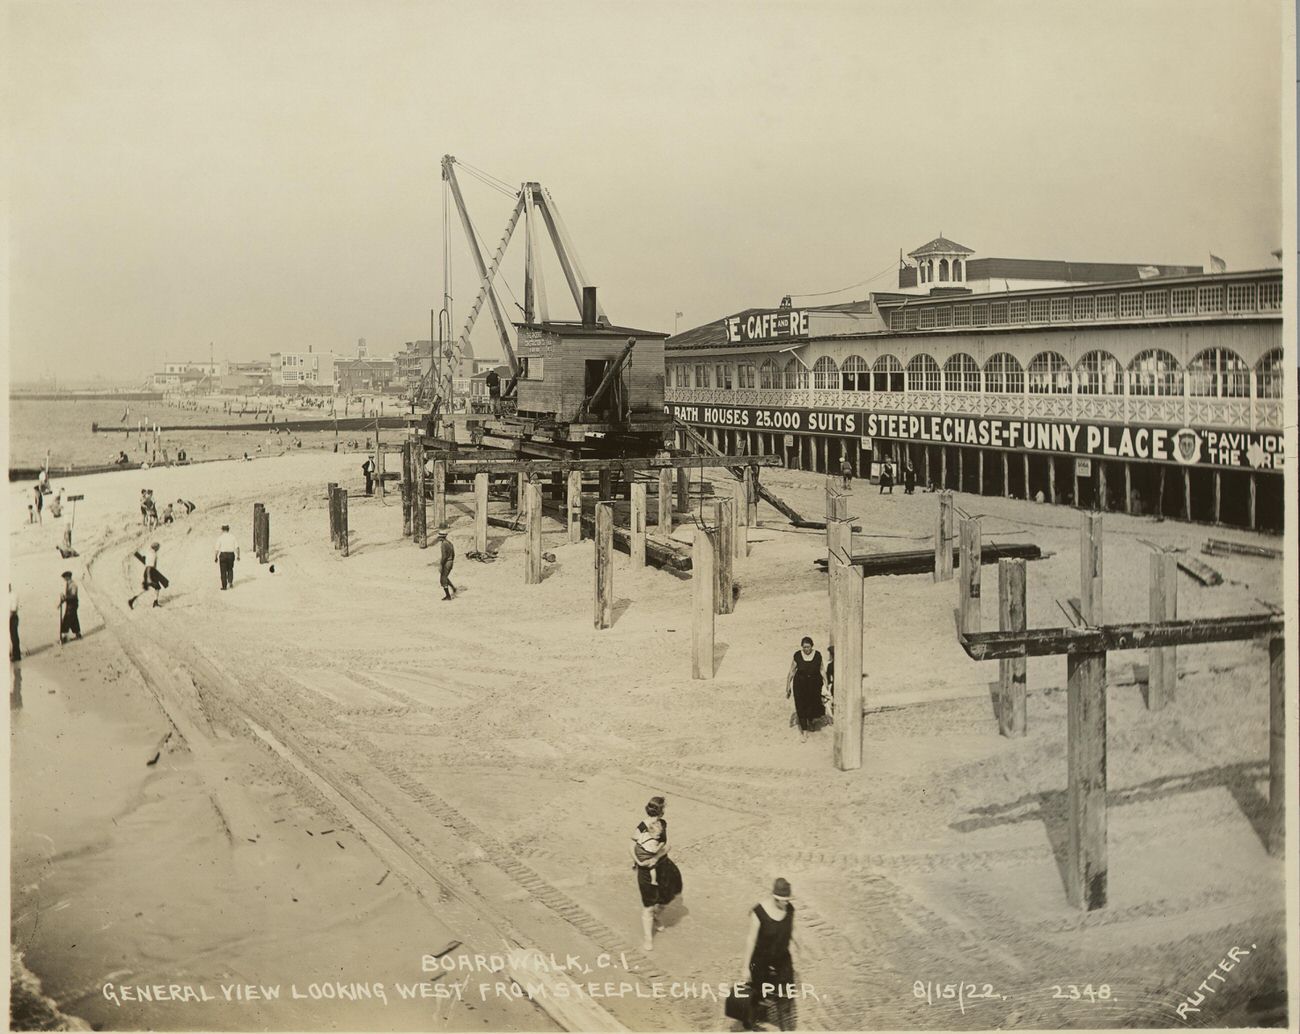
767, 326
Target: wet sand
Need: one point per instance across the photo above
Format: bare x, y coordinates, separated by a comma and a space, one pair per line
502, 743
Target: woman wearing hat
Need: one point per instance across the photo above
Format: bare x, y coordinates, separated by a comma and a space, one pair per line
768, 964
69, 623
657, 876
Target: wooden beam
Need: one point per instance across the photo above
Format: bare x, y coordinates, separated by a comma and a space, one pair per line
462, 463
846, 631
1201, 572
637, 531
532, 508
1012, 710
574, 506
968, 585
1048, 642
1277, 770
839, 542
604, 564
837, 512
921, 561
724, 517
1086, 866
1162, 661
943, 539
480, 512
1090, 583
702, 606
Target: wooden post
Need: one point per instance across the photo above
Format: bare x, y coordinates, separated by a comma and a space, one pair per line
606, 483
1162, 661
420, 520
258, 510
1085, 878
480, 511
266, 537
683, 490
968, 586
636, 538
1250, 520
1218, 495
665, 522
533, 538
1090, 597
343, 519
521, 496
1187, 494
702, 627
332, 505
979, 454
943, 466
1012, 712
751, 496
1128, 488
406, 489
961, 471
1276, 745
1051, 479
1006, 476
575, 506
1101, 485
837, 510
943, 539
739, 531
724, 515
604, 562
1028, 494
439, 493
839, 542
847, 584
379, 465
925, 464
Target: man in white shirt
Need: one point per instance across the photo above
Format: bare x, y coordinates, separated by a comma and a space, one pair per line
227, 554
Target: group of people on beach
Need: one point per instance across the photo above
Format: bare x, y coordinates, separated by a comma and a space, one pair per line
767, 966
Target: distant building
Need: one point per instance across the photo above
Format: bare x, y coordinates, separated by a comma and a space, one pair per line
210, 368
418, 358
365, 376
249, 376
303, 371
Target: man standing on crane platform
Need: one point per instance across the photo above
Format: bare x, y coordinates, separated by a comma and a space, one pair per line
494, 391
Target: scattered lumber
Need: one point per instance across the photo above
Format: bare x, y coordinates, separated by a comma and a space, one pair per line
1224, 547
1201, 572
921, 561
1046, 642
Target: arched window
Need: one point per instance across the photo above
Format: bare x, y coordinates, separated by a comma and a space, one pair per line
1220, 373
1049, 374
1155, 372
1004, 374
1099, 373
770, 374
887, 374
1269, 375
943, 269
961, 373
959, 269
855, 374
825, 373
796, 374
923, 374
925, 275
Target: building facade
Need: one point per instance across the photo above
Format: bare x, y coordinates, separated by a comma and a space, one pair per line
1160, 394
365, 376
303, 371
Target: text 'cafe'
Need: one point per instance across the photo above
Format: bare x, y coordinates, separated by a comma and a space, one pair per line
1165, 415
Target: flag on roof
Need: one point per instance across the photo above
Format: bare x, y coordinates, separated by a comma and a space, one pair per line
1217, 265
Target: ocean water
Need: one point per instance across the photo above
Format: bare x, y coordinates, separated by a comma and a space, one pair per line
63, 428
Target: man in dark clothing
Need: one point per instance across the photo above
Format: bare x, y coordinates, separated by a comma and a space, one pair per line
909, 479
368, 469
886, 477
15, 647
493, 383
446, 557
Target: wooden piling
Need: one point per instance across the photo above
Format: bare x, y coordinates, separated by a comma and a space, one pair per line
604, 563
943, 539
1085, 878
1090, 595
968, 586
739, 530
665, 515
343, 520
1162, 661
751, 496
533, 535
331, 495
837, 509
702, 609
575, 506
847, 584
724, 517
839, 542
420, 518
638, 529
480, 511
1277, 771
1051, 479
258, 510
1012, 710
439, 493
683, 490
606, 483
406, 489
266, 537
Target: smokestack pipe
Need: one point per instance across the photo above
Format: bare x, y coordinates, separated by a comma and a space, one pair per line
588, 306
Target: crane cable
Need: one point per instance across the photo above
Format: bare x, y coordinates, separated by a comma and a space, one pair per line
861, 283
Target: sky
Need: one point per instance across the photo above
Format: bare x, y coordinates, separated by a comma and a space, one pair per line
259, 177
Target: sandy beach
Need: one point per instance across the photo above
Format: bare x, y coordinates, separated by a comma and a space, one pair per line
352, 773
